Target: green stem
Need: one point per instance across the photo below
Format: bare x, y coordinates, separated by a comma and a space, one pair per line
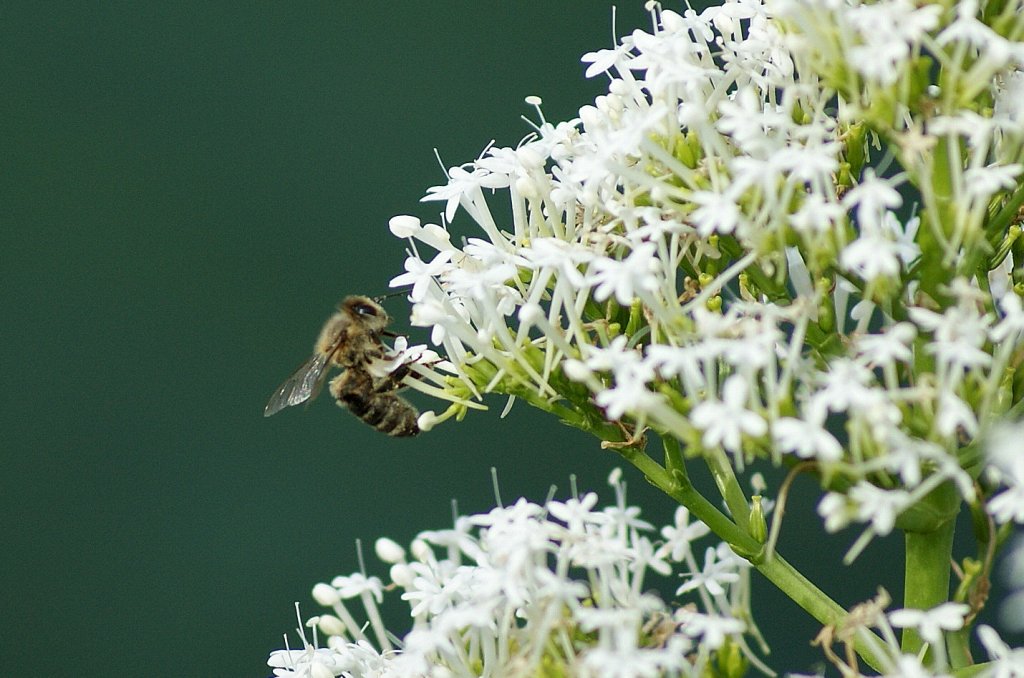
728, 486
673, 455
776, 569
926, 582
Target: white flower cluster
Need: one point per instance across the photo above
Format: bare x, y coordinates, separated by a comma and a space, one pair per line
559, 589
530, 588
707, 250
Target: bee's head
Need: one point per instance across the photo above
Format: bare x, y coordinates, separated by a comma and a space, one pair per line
366, 312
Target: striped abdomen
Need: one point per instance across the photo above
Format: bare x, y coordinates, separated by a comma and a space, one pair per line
376, 403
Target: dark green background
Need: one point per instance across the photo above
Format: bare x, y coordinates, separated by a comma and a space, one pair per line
187, 189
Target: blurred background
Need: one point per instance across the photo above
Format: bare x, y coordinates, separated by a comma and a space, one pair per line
186, 190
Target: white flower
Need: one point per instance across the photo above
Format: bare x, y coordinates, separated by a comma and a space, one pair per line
629, 394
871, 256
712, 629
576, 513
931, 623
912, 666
357, 584
559, 256
1009, 102
707, 251
873, 198
627, 278
405, 226
679, 535
879, 506
805, 439
715, 213
958, 336
462, 186
843, 387
720, 570
631, 375
421, 275
983, 182
1007, 662
817, 214
1011, 327
954, 415
604, 60
888, 347
308, 663
724, 422
835, 509
1005, 451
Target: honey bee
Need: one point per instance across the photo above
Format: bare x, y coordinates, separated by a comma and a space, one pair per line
351, 340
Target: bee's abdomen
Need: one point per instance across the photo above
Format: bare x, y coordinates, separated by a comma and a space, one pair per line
385, 411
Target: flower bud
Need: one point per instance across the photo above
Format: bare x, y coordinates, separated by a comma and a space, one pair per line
402, 575
758, 526
325, 594
421, 550
389, 551
331, 625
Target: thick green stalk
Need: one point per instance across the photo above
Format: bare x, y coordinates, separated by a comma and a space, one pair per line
926, 582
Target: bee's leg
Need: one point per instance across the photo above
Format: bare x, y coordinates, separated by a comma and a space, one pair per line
392, 381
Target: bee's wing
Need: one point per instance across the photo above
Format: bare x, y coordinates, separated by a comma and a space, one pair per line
304, 384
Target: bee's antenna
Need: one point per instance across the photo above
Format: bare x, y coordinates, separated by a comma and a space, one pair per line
381, 297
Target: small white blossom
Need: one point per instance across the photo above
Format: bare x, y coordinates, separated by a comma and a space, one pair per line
627, 278
678, 537
420, 276
1007, 662
931, 623
873, 198
462, 185
713, 630
806, 439
912, 666
308, 663
1004, 450
879, 506
720, 570
887, 348
715, 213
1011, 327
871, 256
724, 422
983, 182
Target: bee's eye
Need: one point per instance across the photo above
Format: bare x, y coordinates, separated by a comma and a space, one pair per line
365, 309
